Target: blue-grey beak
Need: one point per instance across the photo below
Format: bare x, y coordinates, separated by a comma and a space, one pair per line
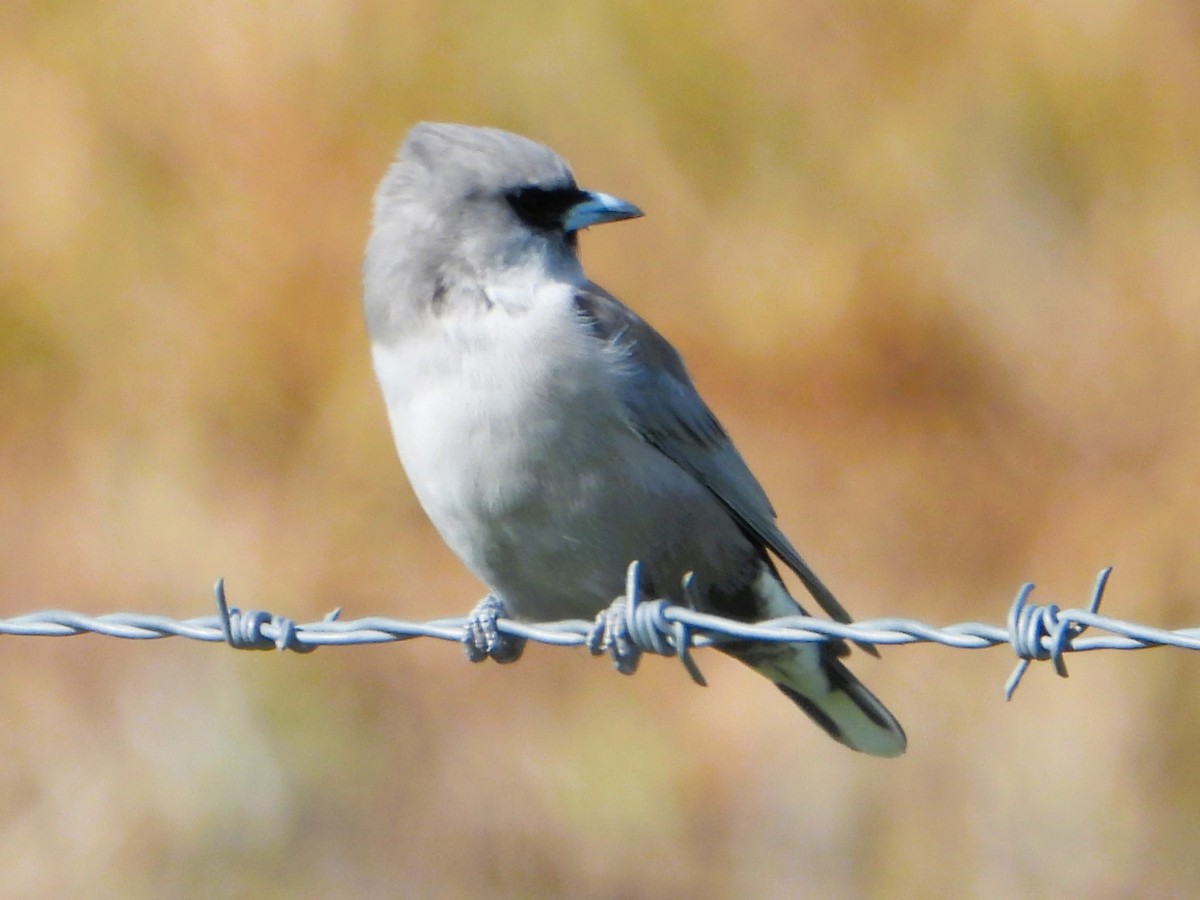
596, 209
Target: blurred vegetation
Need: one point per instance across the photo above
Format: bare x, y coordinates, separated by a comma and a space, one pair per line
937, 267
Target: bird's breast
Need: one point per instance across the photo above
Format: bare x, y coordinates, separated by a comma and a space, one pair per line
507, 424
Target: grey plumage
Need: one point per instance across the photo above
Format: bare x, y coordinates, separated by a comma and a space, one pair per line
551, 435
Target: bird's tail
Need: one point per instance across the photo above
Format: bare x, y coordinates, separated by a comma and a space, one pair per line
821, 685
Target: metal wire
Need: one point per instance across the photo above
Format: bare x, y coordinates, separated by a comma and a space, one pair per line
632, 626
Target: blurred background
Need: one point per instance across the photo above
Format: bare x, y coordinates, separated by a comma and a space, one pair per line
936, 266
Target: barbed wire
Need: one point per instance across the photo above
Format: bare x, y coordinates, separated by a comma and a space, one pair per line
629, 628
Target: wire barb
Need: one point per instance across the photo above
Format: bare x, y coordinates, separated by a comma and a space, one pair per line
631, 626
1041, 633
251, 630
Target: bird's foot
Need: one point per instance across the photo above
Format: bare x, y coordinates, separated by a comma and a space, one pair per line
630, 626
610, 634
483, 638
613, 632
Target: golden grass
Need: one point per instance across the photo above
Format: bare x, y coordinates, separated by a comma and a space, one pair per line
935, 265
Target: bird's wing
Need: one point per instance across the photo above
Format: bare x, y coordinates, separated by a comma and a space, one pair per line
668, 413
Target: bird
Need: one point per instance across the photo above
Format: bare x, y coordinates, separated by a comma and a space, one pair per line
552, 435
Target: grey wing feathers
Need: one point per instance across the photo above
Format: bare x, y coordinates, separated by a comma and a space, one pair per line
669, 414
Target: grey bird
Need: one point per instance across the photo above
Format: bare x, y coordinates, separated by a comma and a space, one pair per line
551, 435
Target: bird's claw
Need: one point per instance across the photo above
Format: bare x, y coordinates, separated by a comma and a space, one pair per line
610, 634
484, 639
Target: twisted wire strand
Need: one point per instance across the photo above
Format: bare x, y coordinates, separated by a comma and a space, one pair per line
633, 626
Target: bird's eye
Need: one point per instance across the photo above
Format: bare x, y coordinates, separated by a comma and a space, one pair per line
544, 208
